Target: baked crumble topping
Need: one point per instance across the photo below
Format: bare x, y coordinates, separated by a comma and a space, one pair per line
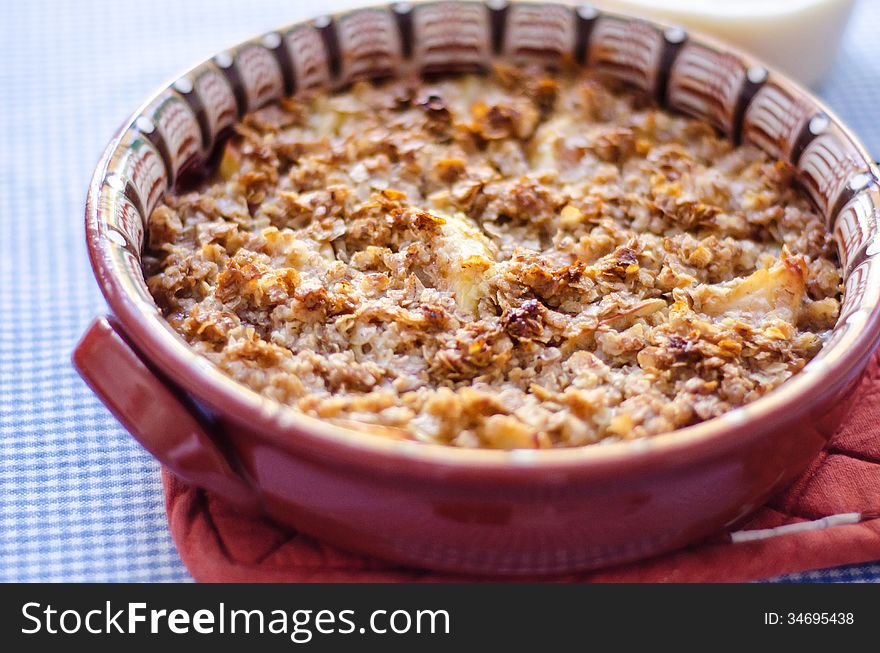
506, 261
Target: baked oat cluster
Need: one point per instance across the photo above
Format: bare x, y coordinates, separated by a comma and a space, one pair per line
515, 260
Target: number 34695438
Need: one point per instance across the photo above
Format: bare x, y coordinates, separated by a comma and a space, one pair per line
808, 618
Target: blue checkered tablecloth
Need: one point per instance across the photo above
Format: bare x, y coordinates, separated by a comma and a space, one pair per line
79, 500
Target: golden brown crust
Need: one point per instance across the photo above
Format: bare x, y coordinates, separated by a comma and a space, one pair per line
512, 261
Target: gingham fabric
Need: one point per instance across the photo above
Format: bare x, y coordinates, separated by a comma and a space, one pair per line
79, 500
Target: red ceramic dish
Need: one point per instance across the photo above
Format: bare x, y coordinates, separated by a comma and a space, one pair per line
478, 511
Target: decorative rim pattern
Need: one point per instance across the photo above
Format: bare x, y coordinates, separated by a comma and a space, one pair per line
180, 128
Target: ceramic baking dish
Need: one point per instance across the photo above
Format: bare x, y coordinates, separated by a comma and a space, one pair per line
478, 511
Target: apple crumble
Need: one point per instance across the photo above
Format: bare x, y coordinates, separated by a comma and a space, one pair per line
515, 260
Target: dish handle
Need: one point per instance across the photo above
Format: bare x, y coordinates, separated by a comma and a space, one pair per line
158, 415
